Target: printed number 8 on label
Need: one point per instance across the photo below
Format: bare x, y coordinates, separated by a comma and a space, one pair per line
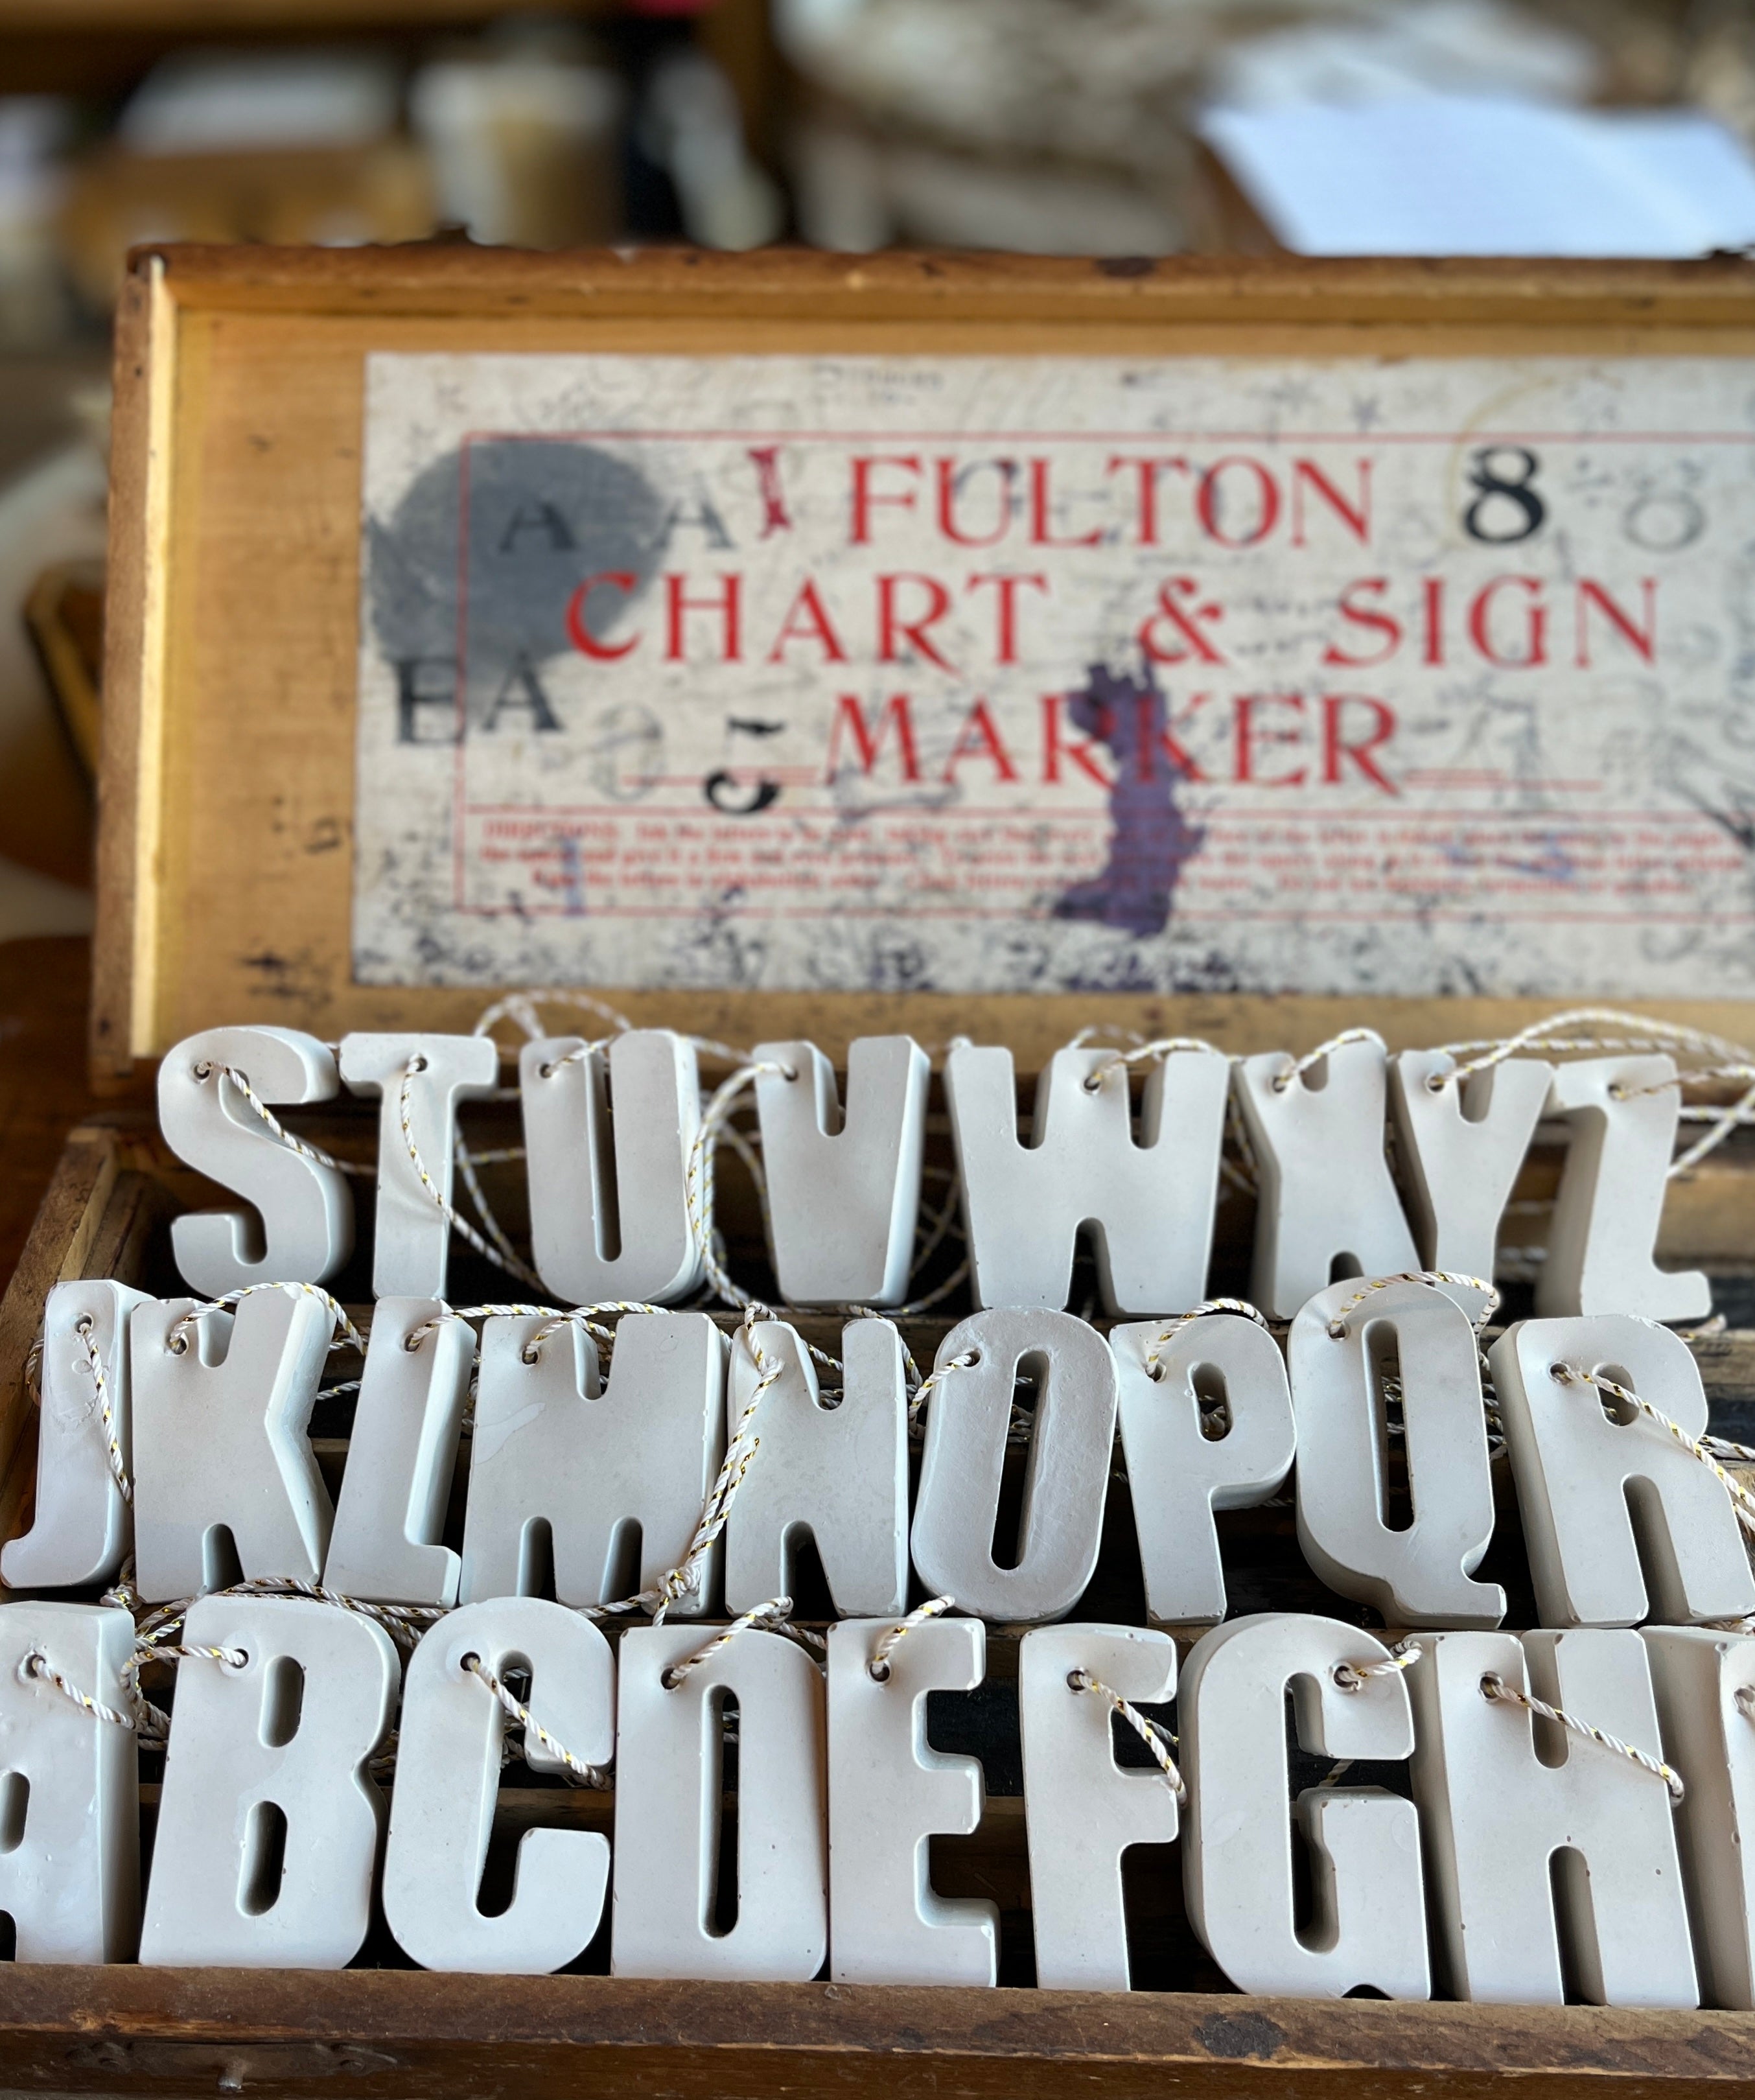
1496, 497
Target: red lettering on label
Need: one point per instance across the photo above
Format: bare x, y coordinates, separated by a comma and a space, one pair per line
1149, 470
951, 480
1357, 522
1008, 587
1641, 639
726, 605
1180, 620
979, 738
1368, 617
868, 740
1267, 501
866, 499
1432, 595
807, 619
1337, 747
765, 459
1249, 733
894, 630
579, 628
1041, 522
1535, 635
1080, 749
1146, 749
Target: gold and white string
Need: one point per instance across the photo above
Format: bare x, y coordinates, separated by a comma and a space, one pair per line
1741, 1500
1354, 1676
577, 1770
1495, 1690
1154, 1738
84, 1327
892, 1637
1437, 1277
177, 1337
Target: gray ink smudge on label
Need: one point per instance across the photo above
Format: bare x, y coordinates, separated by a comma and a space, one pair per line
542, 515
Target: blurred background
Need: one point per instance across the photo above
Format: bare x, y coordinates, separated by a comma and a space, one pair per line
1105, 127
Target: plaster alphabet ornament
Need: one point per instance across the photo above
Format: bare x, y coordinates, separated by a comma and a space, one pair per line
607, 1133
889, 1793
843, 1190
1510, 1834
1081, 1810
1579, 1457
300, 1229
670, 1785
1179, 1475
1363, 1844
836, 1471
609, 1480
391, 1511
1416, 1337
82, 1526
220, 1414
268, 1823
1325, 1195
1067, 1480
1705, 1686
69, 1806
1623, 1112
411, 1245
1462, 1144
447, 1780
1149, 1202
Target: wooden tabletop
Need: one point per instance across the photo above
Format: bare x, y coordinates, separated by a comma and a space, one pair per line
44, 990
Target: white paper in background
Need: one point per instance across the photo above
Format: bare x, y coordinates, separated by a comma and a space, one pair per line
1438, 175
1401, 676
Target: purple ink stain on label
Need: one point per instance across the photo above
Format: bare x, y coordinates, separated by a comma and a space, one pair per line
1152, 841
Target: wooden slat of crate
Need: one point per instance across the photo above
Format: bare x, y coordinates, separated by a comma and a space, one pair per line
230, 674
413, 2035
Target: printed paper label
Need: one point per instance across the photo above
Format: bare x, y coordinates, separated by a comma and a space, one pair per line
998, 674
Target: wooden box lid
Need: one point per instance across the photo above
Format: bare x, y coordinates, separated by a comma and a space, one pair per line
231, 783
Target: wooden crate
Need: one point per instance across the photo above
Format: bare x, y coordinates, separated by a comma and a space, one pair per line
223, 897
384, 2028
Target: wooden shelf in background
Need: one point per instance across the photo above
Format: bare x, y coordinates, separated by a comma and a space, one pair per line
154, 18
